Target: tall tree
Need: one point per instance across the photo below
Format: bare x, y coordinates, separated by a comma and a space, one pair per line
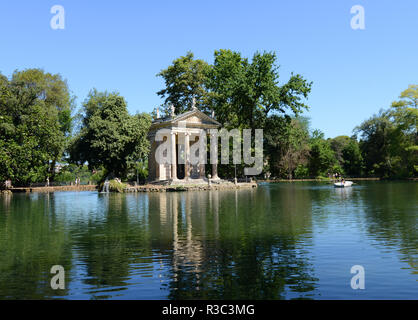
244, 94
109, 136
287, 144
321, 158
247, 94
184, 80
352, 158
338, 144
404, 113
35, 119
379, 144
58, 102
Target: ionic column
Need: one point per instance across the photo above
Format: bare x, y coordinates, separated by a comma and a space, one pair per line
187, 155
173, 157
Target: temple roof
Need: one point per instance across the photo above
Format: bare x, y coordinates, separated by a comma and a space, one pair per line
193, 118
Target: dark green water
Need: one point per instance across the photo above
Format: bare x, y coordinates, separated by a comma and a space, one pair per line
279, 241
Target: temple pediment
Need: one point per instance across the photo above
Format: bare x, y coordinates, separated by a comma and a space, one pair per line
191, 119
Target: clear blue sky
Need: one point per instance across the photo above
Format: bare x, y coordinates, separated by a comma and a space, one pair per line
122, 45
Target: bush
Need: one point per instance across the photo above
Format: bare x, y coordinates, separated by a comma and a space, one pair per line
301, 172
114, 186
98, 176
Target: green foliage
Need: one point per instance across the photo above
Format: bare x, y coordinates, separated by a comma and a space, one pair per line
35, 121
36, 124
117, 186
321, 157
114, 186
389, 139
287, 145
184, 80
338, 144
69, 173
301, 172
98, 176
352, 159
109, 136
138, 171
244, 94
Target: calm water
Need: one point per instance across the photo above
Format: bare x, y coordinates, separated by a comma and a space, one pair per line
279, 241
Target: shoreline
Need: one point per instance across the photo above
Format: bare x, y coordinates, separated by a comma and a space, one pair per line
318, 180
177, 188
139, 188
333, 180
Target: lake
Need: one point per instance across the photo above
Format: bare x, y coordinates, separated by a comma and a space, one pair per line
278, 241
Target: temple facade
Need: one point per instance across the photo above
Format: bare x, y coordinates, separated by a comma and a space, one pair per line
181, 132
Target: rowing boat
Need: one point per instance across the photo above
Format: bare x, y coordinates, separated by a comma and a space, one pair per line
343, 184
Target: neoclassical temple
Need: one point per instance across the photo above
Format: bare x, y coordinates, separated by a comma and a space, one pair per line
182, 131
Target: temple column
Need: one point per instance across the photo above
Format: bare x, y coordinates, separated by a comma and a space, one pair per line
214, 155
215, 171
201, 171
173, 157
202, 154
187, 156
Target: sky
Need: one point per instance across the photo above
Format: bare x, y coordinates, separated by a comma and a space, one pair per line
122, 45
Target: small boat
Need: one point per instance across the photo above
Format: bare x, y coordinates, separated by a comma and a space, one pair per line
343, 184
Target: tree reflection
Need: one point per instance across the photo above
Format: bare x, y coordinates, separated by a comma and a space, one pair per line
109, 244
391, 218
31, 242
239, 245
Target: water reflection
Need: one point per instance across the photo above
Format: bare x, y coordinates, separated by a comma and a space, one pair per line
392, 219
274, 242
31, 242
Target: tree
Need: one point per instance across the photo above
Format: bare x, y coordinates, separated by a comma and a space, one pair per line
404, 114
409, 98
379, 144
287, 144
57, 100
244, 94
321, 157
388, 140
35, 114
338, 144
109, 136
184, 80
352, 158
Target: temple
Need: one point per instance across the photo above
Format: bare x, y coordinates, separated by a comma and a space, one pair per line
183, 131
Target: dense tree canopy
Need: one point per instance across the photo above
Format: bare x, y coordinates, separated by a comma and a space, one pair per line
243, 93
246, 93
35, 114
36, 124
287, 145
109, 135
184, 80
